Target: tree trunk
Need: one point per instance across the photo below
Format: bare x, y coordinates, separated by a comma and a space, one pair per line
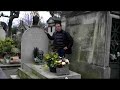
13, 14
9, 33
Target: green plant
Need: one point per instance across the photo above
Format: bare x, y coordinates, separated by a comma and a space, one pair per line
53, 60
1, 47
15, 51
6, 46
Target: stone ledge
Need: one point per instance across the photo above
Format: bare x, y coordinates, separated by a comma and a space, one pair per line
9, 65
43, 72
26, 75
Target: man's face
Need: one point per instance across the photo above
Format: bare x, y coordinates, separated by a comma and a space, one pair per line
58, 27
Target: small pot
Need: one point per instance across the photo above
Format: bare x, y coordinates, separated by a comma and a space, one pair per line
52, 69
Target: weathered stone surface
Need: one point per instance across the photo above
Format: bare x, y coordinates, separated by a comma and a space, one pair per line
63, 70
90, 71
63, 23
83, 40
44, 73
25, 74
2, 75
33, 37
91, 42
2, 33
82, 19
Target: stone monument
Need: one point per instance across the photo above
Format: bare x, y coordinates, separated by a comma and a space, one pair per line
33, 37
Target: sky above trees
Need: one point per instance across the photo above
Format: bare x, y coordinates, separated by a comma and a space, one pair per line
25, 15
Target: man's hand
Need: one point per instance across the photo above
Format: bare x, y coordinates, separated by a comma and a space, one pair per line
46, 31
65, 48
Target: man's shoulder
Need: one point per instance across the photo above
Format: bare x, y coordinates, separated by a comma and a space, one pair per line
65, 32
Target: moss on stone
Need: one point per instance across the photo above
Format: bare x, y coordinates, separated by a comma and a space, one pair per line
83, 56
86, 70
91, 75
26, 75
34, 72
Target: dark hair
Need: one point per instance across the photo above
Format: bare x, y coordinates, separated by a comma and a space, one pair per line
35, 20
58, 23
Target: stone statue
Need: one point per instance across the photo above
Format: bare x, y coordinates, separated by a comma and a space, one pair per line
35, 20
38, 55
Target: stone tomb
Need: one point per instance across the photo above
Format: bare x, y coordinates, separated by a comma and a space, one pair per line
31, 71
33, 37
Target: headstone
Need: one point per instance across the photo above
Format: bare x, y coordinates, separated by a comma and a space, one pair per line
31, 38
2, 33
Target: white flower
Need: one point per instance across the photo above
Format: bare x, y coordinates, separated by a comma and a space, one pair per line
60, 61
60, 57
63, 63
67, 61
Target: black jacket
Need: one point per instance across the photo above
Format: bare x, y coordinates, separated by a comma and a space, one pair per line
61, 40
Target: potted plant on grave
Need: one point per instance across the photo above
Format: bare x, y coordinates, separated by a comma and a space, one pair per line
57, 64
5, 49
15, 59
8, 49
51, 59
62, 66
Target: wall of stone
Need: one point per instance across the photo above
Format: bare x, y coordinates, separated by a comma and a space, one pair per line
91, 35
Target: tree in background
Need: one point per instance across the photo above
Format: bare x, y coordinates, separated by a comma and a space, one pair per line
27, 19
13, 14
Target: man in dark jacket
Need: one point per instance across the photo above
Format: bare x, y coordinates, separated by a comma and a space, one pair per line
62, 41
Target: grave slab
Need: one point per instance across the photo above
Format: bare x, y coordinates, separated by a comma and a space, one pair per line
43, 72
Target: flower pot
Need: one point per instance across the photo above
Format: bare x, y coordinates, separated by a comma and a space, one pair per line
64, 70
52, 69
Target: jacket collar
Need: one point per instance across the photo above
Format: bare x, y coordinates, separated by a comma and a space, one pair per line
60, 31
